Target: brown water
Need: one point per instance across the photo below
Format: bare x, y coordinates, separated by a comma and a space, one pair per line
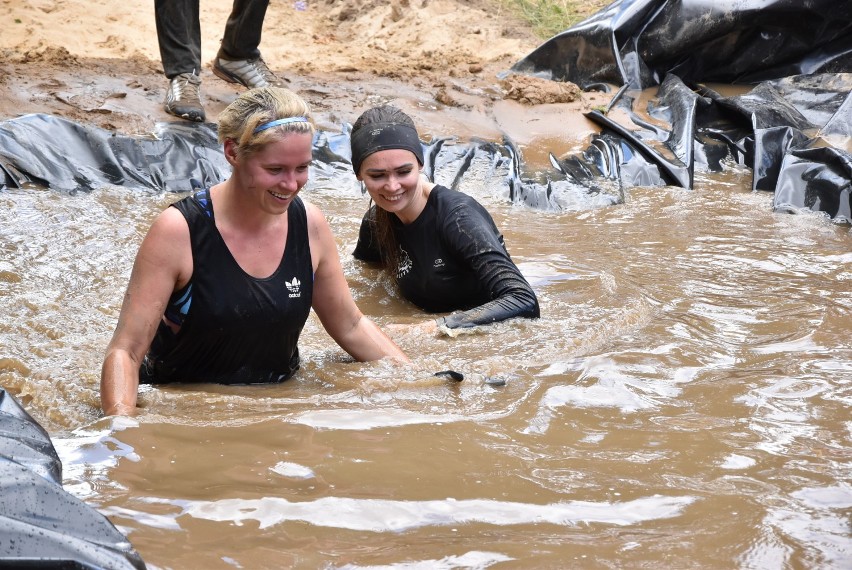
682, 403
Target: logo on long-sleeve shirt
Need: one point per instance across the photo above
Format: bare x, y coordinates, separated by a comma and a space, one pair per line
405, 264
294, 287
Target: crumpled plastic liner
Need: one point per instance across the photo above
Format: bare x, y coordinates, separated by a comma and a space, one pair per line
53, 152
639, 42
792, 128
41, 524
48, 151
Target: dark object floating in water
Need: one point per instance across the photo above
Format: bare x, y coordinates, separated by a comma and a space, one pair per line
451, 374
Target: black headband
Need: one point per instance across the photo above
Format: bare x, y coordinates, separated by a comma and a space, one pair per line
383, 136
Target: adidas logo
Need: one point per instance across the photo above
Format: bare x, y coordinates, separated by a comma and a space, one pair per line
294, 287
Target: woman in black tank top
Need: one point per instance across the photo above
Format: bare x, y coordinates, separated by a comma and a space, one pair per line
225, 278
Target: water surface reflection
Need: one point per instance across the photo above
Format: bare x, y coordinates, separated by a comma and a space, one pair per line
683, 402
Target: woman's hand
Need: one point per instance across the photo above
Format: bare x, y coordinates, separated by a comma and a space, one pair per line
429, 328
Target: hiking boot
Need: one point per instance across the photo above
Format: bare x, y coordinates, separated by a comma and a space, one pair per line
183, 98
248, 72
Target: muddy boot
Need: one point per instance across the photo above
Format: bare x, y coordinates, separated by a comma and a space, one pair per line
248, 72
183, 98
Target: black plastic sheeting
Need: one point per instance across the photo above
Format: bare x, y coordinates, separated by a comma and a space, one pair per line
791, 124
42, 525
792, 128
639, 42
48, 151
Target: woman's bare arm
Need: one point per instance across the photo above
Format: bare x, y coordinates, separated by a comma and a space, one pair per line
333, 303
163, 263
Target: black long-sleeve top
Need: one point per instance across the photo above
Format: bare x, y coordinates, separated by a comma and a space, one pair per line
453, 258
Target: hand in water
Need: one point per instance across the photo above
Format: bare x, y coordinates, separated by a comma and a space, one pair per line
429, 327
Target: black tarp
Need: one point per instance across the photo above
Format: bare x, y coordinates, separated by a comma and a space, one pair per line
639, 42
41, 524
792, 126
66, 156
791, 123
48, 151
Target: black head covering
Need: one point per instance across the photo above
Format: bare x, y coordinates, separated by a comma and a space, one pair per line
374, 137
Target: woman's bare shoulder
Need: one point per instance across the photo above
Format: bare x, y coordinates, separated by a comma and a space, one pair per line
169, 229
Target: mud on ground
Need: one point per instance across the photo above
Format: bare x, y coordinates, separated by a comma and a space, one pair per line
97, 62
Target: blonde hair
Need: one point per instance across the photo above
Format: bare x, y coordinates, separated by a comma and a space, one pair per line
257, 107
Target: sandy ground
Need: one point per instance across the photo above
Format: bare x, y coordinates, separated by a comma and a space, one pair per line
97, 62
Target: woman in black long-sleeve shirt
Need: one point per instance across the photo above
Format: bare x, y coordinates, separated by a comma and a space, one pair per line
443, 248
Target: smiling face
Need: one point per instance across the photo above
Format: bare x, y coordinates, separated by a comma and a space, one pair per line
392, 178
275, 174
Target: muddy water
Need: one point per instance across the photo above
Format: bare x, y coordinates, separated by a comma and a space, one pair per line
683, 402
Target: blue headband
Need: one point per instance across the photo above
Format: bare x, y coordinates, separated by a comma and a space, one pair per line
278, 122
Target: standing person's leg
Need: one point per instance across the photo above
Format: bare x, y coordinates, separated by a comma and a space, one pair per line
243, 30
179, 36
239, 60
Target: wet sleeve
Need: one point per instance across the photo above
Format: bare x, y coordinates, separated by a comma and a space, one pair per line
474, 237
367, 248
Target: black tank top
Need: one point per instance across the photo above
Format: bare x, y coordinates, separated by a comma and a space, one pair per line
234, 328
